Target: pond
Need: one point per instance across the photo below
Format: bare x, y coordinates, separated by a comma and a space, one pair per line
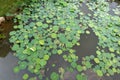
87, 47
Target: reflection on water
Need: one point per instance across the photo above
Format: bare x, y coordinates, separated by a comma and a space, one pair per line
88, 44
6, 68
4, 42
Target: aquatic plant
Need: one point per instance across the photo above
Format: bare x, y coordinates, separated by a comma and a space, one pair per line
51, 27
45, 28
54, 76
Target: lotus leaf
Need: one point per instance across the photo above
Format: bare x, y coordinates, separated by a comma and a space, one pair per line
25, 76
54, 76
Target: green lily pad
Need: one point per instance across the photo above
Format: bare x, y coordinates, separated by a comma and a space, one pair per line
68, 29
46, 57
99, 73
96, 60
25, 76
81, 77
79, 68
16, 69
87, 32
39, 23
60, 52
15, 47
111, 50
55, 28
54, 35
42, 42
33, 49
42, 62
54, 76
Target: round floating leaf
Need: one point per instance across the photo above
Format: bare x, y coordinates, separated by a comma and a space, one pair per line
12, 33
54, 35
69, 44
22, 57
59, 52
54, 76
79, 68
15, 47
33, 49
68, 29
99, 73
53, 65
22, 65
25, 76
87, 32
39, 24
88, 64
42, 42
96, 60
55, 28
111, 50
74, 64
118, 42
49, 21
46, 57
81, 77
42, 62
98, 52
16, 69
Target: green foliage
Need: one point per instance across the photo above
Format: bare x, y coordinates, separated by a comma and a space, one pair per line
2, 36
16, 69
81, 77
54, 76
49, 27
7, 6
105, 26
45, 28
25, 77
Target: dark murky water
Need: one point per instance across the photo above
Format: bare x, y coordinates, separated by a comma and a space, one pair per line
8, 61
4, 43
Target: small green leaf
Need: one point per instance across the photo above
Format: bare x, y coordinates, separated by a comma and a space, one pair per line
25, 76
111, 50
81, 77
42, 42
59, 52
54, 35
15, 47
68, 29
49, 21
98, 52
87, 32
16, 69
118, 42
54, 76
33, 49
39, 23
99, 73
55, 28
22, 57
46, 57
22, 65
79, 68
74, 64
42, 62
96, 60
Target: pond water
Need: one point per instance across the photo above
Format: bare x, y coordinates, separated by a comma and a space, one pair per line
8, 61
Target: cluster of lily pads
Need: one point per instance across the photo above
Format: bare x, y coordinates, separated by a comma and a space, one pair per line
107, 28
48, 27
